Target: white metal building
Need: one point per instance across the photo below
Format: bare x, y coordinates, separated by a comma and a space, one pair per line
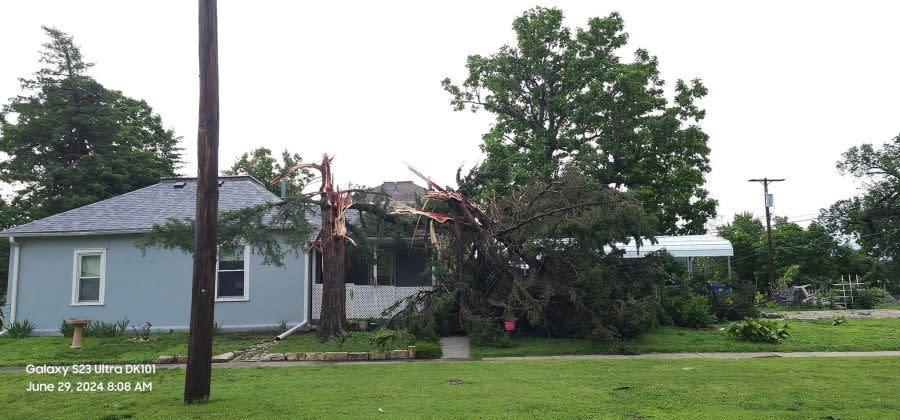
686, 247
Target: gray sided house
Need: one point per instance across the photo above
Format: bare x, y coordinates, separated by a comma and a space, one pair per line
83, 263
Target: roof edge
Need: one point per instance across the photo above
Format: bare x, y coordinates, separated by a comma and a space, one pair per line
6, 234
168, 179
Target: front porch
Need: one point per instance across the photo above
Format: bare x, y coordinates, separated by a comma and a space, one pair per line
396, 271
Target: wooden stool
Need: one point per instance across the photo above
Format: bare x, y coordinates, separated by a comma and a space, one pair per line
79, 329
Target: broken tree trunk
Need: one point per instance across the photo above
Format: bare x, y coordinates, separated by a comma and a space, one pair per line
333, 319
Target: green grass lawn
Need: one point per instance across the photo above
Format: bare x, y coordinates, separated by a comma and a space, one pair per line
848, 388
818, 335
55, 350
357, 341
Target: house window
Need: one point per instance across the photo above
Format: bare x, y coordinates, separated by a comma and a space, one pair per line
89, 277
384, 266
358, 271
233, 275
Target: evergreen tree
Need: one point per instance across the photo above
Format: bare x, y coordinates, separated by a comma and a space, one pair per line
70, 141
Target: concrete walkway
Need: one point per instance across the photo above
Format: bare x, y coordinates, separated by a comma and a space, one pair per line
659, 356
455, 348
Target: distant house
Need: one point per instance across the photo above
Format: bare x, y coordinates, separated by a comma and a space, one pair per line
83, 263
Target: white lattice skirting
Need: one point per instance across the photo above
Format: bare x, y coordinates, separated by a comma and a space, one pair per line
368, 301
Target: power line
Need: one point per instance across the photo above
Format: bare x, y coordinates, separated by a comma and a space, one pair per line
757, 253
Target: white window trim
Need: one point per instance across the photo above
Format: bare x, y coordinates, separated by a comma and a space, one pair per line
246, 296
76, 272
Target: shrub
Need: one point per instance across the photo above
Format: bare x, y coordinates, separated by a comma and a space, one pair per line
282, 326
689, 310
758, 330
217, 328
385, 339
21, 329
486, 331
738, 303
867, 298
66, 329
143, 333
428, 350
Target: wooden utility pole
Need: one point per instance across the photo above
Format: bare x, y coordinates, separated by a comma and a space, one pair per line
768, 203
198, 373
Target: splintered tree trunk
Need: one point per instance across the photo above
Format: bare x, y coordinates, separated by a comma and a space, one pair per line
333, 319
199, 359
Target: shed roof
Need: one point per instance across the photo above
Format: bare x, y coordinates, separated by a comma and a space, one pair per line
139, 210
681, 246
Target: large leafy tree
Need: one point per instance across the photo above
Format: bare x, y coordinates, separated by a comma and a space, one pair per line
70, 141
260, 164
744, 233
564, 96
871, 219
808, 255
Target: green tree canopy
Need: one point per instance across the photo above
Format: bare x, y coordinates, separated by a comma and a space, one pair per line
811, 255
871, 220
260, 164
70, 141
562, 96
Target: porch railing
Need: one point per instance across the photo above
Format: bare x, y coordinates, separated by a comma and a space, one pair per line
367, 301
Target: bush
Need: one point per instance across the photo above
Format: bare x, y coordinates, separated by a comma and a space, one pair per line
867, 298
428, 350
625, 319
689, 310
21, 329
486, 331
385, 339
106, 329
758, 330
143, 333
738, 303
66, 329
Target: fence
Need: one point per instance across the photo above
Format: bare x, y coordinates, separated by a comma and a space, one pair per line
367, 301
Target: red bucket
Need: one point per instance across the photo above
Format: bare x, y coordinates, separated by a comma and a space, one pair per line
509, 325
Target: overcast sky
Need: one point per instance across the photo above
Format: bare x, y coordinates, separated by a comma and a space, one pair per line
791, 84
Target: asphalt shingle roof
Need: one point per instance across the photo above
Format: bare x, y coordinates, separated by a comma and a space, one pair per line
402, 191
139, 210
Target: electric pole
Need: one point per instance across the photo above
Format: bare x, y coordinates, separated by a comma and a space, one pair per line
198, 373
769, 202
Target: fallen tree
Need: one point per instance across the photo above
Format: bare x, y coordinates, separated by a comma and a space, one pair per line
532, 254
544, 253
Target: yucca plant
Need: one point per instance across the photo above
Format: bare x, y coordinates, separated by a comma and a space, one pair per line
21, 329
106, 329
66, 329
